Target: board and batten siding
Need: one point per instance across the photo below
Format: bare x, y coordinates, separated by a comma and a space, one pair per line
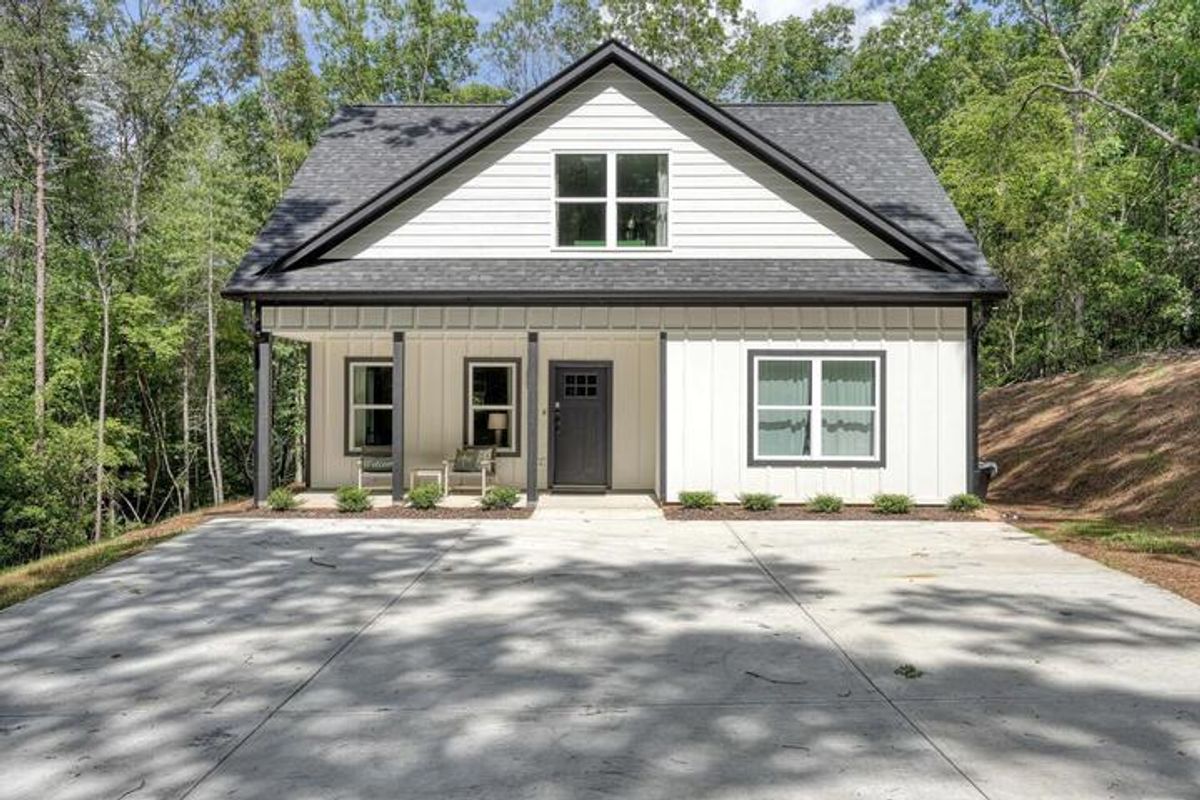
708, 396
724, 202
706, 372
434, 396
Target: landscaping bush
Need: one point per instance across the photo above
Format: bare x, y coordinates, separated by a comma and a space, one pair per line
351, 499
964, 502
825, 504
758, 501
697, 499
425, 496
499, 497
282, 498
892, 503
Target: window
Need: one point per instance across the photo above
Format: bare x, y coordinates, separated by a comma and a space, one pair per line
816, 407
368, 404
491, 404
611, 199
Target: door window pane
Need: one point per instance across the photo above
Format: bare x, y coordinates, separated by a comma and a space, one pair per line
641, 224
784, 383
582, 175
848, 383
581, 224
783, 433
641, 175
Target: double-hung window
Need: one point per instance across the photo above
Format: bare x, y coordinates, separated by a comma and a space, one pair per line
368, 404
492, 416
610, 200
816, 407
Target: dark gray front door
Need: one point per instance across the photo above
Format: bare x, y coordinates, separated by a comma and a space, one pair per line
579, 445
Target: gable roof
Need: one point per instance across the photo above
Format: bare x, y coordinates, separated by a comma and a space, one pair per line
858, 157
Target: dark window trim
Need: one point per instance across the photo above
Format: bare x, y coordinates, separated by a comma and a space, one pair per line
346, 389
875, 463
513, 437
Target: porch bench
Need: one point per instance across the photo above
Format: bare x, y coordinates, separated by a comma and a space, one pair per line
472, 461
374, 461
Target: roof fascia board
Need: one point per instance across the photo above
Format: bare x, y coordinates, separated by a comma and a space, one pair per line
614, 53
675, 298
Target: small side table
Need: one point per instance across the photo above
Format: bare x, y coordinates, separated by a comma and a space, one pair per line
420, 473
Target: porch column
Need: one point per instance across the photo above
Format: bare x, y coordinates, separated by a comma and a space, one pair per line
397, 416
262, 417
531, 420
662, 416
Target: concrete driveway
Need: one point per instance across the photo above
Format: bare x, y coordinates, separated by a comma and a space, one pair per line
633, 659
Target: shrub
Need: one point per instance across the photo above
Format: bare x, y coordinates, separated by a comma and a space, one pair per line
425, 496
282, 498
696, 498
964, 502
351, 499
758, 501
825, 504
499, 497
892, 503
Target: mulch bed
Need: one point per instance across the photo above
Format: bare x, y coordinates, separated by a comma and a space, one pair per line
1178, 574
849, 513
392, 512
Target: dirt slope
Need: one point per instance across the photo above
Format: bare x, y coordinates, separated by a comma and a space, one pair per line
1121, 441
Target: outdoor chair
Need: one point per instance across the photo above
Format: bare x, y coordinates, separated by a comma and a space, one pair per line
471, 461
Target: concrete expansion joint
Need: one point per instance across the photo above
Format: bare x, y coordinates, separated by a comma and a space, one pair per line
851, 662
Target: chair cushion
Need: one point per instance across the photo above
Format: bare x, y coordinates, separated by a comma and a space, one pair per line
470, 459
376, 464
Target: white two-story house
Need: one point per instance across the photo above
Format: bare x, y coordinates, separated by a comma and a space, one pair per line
624, 286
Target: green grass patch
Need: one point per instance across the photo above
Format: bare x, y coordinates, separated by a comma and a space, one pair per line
23, 582
1138, 538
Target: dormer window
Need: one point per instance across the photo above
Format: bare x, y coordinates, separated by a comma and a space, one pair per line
611, 200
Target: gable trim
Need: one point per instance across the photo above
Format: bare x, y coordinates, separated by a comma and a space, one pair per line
615, 53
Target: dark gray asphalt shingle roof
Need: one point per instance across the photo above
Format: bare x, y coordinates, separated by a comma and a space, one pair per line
863, 147
600, 279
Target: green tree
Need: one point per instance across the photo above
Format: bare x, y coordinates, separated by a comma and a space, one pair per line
798, 59
532, 40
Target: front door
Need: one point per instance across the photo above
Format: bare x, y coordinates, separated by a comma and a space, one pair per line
581, 433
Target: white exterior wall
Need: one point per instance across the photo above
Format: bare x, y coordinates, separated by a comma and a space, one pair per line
924, 406
707, 349
724, 203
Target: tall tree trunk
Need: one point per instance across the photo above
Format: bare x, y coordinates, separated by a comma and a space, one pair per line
101, 415
39, 294
185, 496
211, 426
14, 266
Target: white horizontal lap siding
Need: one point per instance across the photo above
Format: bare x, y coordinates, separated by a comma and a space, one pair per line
924, 408
723, 202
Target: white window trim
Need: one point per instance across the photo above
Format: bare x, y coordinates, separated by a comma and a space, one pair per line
609, 200
513, 366
815, 408
351, 406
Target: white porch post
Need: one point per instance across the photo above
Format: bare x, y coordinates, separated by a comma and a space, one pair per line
662, 416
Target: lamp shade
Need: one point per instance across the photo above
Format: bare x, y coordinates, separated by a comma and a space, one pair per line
497, 421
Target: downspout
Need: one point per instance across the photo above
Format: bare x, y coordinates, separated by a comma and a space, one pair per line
975, 323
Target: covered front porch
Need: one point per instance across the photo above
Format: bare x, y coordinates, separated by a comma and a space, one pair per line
575, 409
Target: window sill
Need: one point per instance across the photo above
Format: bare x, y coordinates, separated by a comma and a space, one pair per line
608, 250
816, 462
